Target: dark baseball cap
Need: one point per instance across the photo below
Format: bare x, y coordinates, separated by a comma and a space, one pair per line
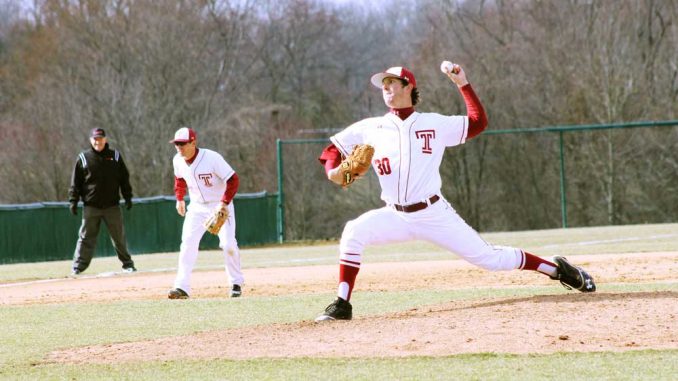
97, 133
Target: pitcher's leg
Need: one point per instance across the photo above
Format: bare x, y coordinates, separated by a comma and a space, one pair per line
114, 223
191, 234
379, 226
441, 225
446, 228
87, 238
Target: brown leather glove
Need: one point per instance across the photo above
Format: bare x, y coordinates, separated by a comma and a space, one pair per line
356, 164
217, 219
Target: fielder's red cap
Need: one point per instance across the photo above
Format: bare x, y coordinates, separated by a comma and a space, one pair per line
183, 135
97, 133
394, 72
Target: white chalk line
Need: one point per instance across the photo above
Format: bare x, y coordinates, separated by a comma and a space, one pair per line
616, 240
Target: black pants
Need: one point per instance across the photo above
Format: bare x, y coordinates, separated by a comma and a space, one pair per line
89, 231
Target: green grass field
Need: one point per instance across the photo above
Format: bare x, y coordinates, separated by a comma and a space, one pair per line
32, 331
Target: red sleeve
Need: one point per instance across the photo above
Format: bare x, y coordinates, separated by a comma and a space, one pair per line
231, 188
330, 158
180, 187
477, 119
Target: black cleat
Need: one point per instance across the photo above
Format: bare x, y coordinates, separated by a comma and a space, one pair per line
75, 272
573, 277
177, 293
129, 269
340, 309
236, 291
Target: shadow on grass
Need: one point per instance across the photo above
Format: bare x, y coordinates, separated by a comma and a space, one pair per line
574, 298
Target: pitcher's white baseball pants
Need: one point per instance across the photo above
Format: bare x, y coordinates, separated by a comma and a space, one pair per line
439, 223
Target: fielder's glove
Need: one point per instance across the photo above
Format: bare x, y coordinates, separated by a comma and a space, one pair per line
217, 219
356, 164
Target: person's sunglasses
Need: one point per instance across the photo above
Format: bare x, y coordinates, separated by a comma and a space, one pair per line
180, 144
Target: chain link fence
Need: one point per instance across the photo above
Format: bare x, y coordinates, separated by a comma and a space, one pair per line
508, 180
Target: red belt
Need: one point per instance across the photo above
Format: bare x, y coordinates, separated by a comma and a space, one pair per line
418, 206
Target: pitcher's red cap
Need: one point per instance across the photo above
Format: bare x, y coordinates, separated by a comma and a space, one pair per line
394, 72
183, 135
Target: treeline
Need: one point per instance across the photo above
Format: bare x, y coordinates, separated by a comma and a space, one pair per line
243, 73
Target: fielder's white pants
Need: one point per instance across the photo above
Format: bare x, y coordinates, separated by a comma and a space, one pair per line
192, 232
439, 224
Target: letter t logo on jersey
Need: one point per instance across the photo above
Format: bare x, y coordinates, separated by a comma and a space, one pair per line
427, 135
206, 178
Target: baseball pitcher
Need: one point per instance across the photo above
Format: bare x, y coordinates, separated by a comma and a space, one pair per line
405, 150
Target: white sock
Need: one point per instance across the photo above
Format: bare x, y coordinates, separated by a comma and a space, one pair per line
342, 290
549, 270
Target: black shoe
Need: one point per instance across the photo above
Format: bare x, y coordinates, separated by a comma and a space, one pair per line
75, 272
340, 309
177, 293
573, 277
236, 291
129, 269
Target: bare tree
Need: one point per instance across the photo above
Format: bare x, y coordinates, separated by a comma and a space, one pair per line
245, 73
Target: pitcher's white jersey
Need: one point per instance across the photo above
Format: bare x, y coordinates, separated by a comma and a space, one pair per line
206, 177
407, 153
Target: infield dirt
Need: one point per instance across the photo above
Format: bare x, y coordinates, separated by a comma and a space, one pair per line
603, 321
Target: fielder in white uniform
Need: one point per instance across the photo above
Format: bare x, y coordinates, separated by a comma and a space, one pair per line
210, 181
408, 150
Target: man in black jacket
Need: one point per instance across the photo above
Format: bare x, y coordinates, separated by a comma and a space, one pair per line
99, 176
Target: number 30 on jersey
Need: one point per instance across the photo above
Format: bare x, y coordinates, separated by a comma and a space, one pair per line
383, 166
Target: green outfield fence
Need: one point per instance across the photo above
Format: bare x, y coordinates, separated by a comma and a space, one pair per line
47, 231
305, 205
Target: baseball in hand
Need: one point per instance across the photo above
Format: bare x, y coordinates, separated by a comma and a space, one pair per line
448, 67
